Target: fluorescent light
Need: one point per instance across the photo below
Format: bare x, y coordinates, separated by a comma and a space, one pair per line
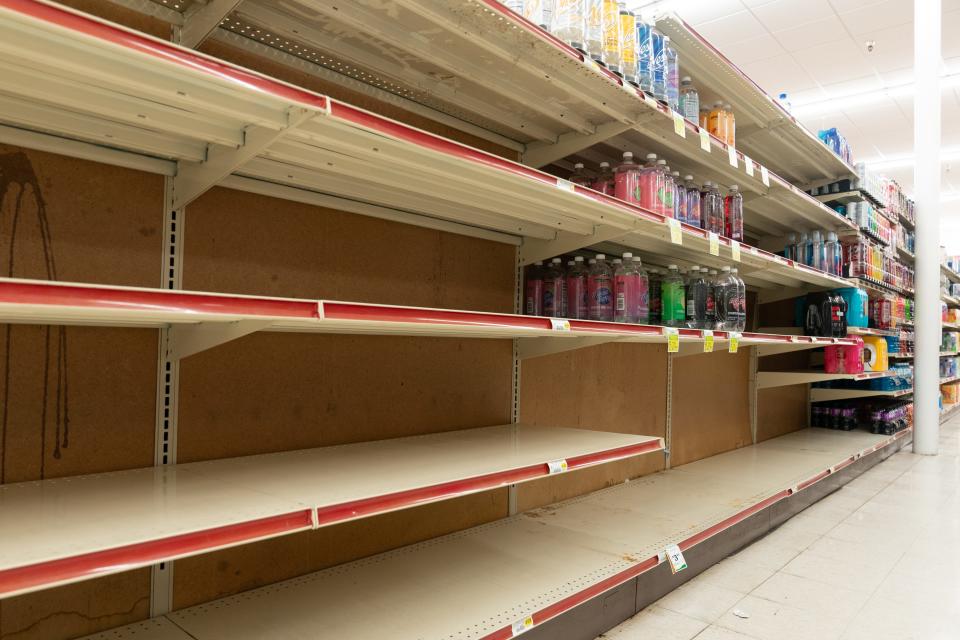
902, 162
848, 101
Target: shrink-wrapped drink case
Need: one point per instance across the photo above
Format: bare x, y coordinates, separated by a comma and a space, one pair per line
611, 35
594, 29
570, 22
628, 44
645, 55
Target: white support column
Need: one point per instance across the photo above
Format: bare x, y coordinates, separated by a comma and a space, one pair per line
926, 148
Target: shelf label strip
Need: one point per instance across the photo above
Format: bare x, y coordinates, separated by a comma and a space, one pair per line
732, 155
748, 165
559, 324
735, 250
673, 339
523, 624
704, 140
714, 243
679, 126
676, 232
557, 466
765, 176
734, 342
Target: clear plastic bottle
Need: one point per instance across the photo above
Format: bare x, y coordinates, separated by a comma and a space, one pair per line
569, 22
577, 301
659, 67
818, 252
600, 289
626, 181
604, 182
645, 55
789, 251
553, 277
697, 299
692, 201
565, 298
655, 296
717, 121
626, 287
580, 176
679, 198
650, 183
689, 100
672, 75
801, 249
731, 138
725, 294
664, 195
733, 214
533, 290
705, 119
515, 5
808, 250
674, 299
710, 315
611, 35
594, 35
740, 301
716, 210
834, 254
643, 300
538, 12
628, 43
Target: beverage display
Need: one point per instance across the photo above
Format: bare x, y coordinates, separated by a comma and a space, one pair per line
679, 197
552, 289
673, 306
645, 55
611, 35
733, 214
630, 290
533, 290
659, 66
692, 201
627, 180
604, 182
656, 296
628, 44
600, 289
672, 75
569, 22
580, 176
576, 291
593, 9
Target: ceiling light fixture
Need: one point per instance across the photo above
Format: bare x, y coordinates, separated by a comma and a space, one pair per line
836, 103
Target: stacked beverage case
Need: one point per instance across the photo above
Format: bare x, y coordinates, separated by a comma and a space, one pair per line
622, 290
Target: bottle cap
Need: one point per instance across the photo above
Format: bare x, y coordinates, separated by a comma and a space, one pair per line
686, 79
601, 256
578, 259
688, 177
717, 105
676, 173
592, 261
627, 155
726, 268
726, 106
627, 256
570, 263
671, 266
662, 162
734, 187
636, 259
617, 261
556, 261
604, 165
695, 268
651, 156
713, 272
578, 165
791, 237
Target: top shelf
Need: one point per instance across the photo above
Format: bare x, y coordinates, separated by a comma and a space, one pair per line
764, 129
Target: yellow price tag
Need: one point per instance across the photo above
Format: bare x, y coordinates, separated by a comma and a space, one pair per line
735, 250
522, 625
732, 155
679, 125
704, 140
714, 243
765, 176
557, 466
748, 165
676, 232
734, 342
566, 185
708, 341
673, 339
559, 324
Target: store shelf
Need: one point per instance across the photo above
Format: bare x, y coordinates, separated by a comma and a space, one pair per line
950, 326
764, 129
909, 224
150, 629
906, 255
880, 287
951, 301
901, 356
870, 331
949, 379
477, 583
821, 395
767, 379
952, 275
203, 320
948, 354
127, 519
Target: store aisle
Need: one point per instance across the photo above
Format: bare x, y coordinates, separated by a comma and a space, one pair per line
879, 560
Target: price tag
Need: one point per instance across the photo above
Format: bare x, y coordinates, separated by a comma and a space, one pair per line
704, 139
735, 250
559, 324
679, 125
521, 625
676, 233
714, 243
673, 339
748, 165
765, 176
732, 155
566, 185
734, 342
675, 558
707, 341
557, 466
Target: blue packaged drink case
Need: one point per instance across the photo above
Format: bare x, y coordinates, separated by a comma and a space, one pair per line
671, 74
659, 67
645, 55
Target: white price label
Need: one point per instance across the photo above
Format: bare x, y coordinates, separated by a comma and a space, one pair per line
704, 140
557, 466
679, 126
748, 165
732, 155
566, 185
714, 243
523, 624
673, 339
734, 342
707, 341
675, 558
735, 250
559, 324
676, 232
765, 176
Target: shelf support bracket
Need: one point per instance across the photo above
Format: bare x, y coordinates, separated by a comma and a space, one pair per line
186, 340
540, 154
194, 179
533, 249
202, 20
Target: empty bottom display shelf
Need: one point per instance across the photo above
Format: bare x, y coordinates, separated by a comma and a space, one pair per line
498, 579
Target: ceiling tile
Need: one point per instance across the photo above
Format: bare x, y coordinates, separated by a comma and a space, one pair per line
732, 28
843, 6
893, 48
883, 15
779, 74
834, 62
950, 27
760, 48
810, 34
785, 14
696, 12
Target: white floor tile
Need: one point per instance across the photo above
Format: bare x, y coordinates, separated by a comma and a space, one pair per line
736, 575
700, 600
657, 622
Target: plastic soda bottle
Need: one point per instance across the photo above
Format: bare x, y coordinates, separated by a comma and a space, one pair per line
628, 43
731, 126
553, 277
717, 121
834, 254
577, 306
740, 303
733, 214
600, 289
659, 67
626, 184
692, 201
580, 176
594, 33
650, 183
655, 297
611, 35
604, 182
722, 296
664, 195
689, 100
569, 22
643, 300
697, 299
645, 55
673, 297
710, 310
626, 287
672, 75
679, 198
533, 290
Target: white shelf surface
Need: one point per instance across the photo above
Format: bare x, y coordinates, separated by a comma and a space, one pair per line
478, 582
767, 379
820, 395
117, 521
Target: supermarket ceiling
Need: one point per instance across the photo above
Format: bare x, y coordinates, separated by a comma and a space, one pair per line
816, 51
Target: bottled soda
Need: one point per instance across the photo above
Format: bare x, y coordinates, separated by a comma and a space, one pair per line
553, 277
733, 214
673, 297
577, 306
627, 180
626, 286
679, 198
655, 297
604, 182
600, 289
689, 100
710, 312
740, 302
692, 201
533, 290
697, 299
580, 176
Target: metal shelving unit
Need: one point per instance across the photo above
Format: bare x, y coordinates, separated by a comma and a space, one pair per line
481, 582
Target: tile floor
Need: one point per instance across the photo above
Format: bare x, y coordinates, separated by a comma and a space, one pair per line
877, 560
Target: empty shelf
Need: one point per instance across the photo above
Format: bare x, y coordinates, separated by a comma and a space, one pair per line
477, 583
766, 379
819, 395
64, 530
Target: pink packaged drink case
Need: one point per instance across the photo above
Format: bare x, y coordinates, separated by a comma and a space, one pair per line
577, 301
604, 182
600, 289
626, 181
844, 358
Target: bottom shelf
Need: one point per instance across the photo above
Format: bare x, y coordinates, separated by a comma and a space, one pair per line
821, 395
499, 579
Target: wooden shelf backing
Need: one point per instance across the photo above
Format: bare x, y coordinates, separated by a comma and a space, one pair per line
478, 583
820, 395
64, 530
